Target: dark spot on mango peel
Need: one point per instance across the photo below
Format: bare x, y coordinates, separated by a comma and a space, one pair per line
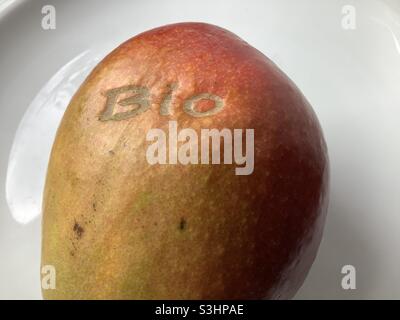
111, 152
182, 224
78, 230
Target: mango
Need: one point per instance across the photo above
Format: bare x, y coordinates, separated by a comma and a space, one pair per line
186, 166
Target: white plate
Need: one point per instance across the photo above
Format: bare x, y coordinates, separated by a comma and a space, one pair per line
350, 76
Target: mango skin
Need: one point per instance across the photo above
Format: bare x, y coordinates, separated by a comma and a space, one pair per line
116, 227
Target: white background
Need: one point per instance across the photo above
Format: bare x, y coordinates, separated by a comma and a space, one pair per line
350, 77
